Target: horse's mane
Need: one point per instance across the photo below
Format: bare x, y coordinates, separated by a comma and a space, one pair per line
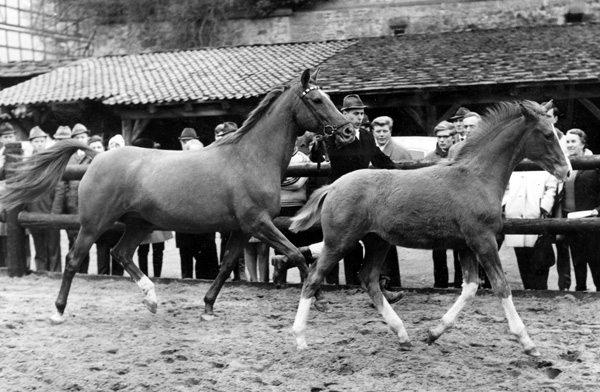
495, 119
253, 117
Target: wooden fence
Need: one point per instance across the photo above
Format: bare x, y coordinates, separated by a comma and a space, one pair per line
18, 220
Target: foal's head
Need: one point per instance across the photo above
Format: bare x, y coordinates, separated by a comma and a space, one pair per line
315, 112
541, 145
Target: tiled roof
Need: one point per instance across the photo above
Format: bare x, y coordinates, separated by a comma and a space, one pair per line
568, 53
24, 69
518, 55
179, 76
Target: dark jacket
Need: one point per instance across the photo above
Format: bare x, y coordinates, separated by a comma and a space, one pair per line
355, 156
587, 190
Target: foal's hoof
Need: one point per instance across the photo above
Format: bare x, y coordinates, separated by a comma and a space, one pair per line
207, 317
151, 305
431, 337
57, 319
406, 346
533, 352
393, 297
323, 305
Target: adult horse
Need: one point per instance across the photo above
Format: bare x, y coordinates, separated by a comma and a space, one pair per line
452, 205
232, 185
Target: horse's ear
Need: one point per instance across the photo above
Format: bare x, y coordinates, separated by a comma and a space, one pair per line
547, 106
305, 79
316, 75
525, 111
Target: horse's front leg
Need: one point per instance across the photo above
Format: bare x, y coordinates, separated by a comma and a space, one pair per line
375, 251
468, 262
492, 266
268, 233
235, 246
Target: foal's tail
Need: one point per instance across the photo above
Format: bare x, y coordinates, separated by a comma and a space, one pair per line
39, 174
311, 212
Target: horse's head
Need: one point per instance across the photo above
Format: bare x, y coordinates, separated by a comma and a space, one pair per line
317, 113
542, 145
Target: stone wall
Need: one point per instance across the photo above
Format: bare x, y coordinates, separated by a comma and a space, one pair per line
343, 19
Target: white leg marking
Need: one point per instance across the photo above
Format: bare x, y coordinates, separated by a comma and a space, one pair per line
394, 321
299, 327
148, 289
468, 292
517, 328
57, 318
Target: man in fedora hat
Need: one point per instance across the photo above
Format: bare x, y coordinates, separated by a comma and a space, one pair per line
456, 120
347, 155
71, 199
38, 139
239, 272
80, 133
186, 135
63, 132
46, 241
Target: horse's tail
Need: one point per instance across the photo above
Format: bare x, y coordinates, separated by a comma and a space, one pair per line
311, 212
39, 174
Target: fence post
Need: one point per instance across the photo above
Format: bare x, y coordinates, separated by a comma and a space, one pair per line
16, 241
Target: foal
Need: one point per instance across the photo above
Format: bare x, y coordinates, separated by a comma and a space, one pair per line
453, 205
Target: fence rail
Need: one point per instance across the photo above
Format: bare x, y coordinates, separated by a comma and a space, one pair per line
18, 220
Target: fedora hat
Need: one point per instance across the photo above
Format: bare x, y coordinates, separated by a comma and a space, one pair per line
63, 132
6, 129
36, 132
78, 129
460, 113
352, 101
188, 133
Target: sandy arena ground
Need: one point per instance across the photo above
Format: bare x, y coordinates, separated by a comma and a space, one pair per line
110, 342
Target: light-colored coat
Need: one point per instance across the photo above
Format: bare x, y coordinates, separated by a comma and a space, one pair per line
526, 193
396, 152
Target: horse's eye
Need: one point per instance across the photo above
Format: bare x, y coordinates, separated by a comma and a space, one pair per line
549, 137
318, 101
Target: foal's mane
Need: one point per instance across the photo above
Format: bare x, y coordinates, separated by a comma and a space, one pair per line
253, 117
496, 118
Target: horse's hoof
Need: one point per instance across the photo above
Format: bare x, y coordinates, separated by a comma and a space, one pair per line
406, 346
533, 352
207, 317
151, 305
393, 297
431, 337
322, 305
57, 319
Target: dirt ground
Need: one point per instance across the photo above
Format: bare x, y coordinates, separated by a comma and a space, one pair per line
111, 342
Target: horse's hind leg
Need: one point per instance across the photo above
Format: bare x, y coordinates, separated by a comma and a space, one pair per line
328, 258
83, 243
491, 263
235, 245
135, 231
469, 265
375, 251
268, 233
